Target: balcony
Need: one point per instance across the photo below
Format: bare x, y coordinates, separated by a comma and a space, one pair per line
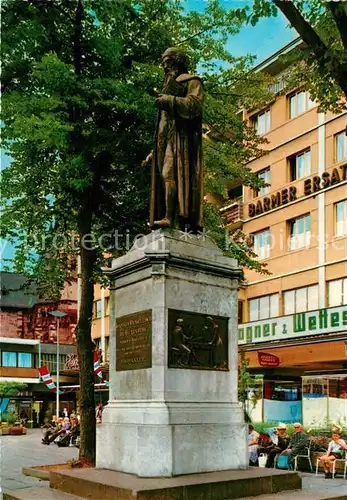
233, 214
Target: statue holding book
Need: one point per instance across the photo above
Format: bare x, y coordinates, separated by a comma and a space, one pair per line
177, 173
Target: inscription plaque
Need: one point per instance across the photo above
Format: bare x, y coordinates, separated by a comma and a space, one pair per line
197, 341
134, 341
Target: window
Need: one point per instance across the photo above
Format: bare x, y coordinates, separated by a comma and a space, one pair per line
341, 146
301, 300
299, 103
50, 360
9, 359
300, 232
264, 175
300, 165
261, 122
337, 292
262, 244
235, 194
107, 306
24, 360
240, 311
98, 309
341, 218
263, 307
16, 359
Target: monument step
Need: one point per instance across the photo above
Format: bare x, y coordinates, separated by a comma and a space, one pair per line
38, 493
102, 484
299, 495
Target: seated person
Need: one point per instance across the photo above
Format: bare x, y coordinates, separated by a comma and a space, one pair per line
56, 432
336, 449
277, 446
50, 429
253, 438
297, 445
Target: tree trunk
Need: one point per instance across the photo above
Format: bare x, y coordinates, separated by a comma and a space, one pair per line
85, 348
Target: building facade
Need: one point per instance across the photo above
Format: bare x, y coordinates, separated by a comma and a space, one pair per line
28, 340
293, 322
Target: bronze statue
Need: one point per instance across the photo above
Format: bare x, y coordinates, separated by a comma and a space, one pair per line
177, 173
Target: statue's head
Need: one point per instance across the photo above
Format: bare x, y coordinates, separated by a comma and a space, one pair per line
175, 61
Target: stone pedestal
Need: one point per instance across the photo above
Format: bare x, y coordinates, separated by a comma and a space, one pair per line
166, 421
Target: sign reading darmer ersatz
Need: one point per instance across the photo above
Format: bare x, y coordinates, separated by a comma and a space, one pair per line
330, 320
134, 341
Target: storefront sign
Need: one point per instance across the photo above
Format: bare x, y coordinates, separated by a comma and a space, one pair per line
330, 320
287, 195
266, 359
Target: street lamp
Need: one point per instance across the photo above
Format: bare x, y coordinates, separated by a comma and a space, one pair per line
58, 315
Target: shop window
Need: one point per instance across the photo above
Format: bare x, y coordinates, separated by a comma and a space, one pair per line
314, 387
301, 300
341, 146
299, 103
300, 232
341, 218
262, 122
337, 292
299, 165
262, 243
264, 175
263, 307
24, 360
282, 391
9, 359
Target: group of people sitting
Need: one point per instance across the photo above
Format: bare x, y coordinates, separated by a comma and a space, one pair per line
279, 444
282, 444
62, 430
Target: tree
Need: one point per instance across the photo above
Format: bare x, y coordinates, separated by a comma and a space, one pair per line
80, 79
323, 28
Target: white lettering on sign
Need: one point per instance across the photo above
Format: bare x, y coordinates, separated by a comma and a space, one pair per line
330, 320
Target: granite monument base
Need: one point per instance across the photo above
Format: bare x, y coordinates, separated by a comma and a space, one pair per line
173, 406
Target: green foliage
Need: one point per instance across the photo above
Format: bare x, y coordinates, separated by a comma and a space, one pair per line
11, 389
321, 63
10, 417
77, 135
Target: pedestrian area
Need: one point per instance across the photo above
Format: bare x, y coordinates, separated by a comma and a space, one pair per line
17, 452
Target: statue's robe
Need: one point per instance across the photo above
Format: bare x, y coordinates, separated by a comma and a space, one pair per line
181, 119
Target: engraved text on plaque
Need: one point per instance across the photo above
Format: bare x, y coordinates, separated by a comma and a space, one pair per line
134, 341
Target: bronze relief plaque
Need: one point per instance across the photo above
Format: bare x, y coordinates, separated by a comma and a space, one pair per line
134, 341
198, 341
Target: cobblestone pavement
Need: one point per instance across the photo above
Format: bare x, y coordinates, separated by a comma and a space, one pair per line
17, 452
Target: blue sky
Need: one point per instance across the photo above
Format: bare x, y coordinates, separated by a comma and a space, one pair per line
262, 40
